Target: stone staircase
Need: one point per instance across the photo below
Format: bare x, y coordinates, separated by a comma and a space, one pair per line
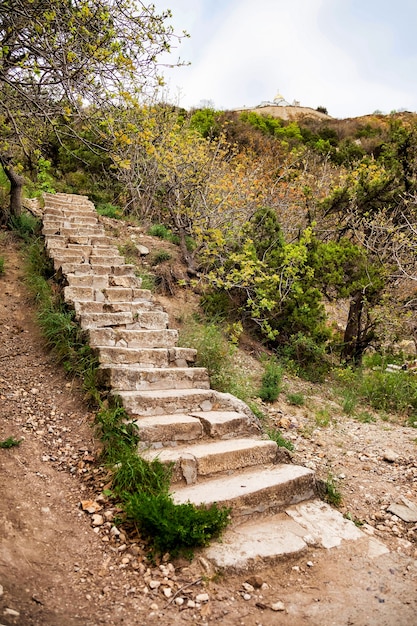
212, 439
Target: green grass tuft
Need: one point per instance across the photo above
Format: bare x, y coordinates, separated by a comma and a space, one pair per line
10, 442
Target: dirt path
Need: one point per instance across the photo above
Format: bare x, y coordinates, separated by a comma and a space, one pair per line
61, 566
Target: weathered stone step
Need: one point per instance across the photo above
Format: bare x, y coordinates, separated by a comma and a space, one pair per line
126, 294
168, 429
98, 270
122, 338
168, 401
134, 378
225, 424
206, 459
163, 430
85, 231
252, 491
98, 320
104, 295
93, 306
262, 542
146, 357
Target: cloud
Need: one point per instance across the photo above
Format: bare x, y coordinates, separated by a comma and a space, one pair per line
347, 55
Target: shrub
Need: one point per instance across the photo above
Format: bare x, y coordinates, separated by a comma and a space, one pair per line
25, 225
296, 398
1, 265
109, 210
271, 385
160, 256
390, 391
172, 528
275, 435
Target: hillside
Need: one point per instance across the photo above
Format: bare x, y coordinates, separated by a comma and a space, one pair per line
59, 568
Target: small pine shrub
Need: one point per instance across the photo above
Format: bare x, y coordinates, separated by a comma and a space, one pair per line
1, 265
271, 384
172, 528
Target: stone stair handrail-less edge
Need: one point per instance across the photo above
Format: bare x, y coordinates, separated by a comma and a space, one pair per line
213, 440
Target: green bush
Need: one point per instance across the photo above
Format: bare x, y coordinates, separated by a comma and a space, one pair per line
275, 435
160, 256
172, 528
390, 391
25, 225
1, 265
271, 384
106, 209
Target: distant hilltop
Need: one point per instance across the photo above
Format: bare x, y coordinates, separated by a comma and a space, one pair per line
286, 111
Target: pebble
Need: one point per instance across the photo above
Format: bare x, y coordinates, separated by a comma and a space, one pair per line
202, 597
247, 596
11, 612
154, 584
167, 592
278, 606
179, 601
97, 520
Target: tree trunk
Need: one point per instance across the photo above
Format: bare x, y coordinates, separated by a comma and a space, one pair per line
16, 186
359, 332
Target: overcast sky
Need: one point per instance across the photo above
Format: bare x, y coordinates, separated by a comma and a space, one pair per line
351, 56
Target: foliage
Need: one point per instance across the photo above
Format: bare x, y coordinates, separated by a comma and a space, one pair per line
62, 334
390, 391
25, 225
271, 383
142, 488
214, 352
296, 398
160, 256
331, 493
109, 210
10, 442
1, 265
57, 55
276, 435
176, 529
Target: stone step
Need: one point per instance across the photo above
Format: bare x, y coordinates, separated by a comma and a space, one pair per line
259, 543
69, 221
149, 320
98, 320
254, 491
77, 281
134, 378
106, 259
126, 294
117, 271
168, 429
164, 338
189, 462
168, 401
225, 424
94, 306
146, 357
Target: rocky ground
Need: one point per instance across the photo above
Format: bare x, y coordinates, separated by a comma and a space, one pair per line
63, 562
